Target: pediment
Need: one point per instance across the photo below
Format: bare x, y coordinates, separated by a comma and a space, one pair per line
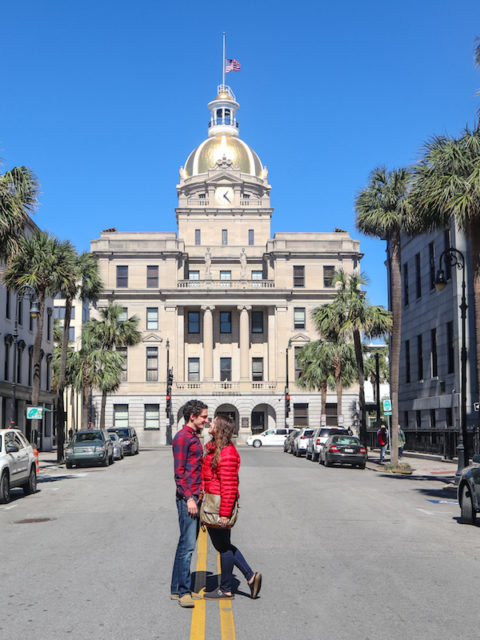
152, 337
300, 338
223, 177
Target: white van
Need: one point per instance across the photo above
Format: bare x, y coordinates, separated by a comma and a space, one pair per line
270, 437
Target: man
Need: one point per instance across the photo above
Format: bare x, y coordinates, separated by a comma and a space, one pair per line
187, 460
382, 435
401, 441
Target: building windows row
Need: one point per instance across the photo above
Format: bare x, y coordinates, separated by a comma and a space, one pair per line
151, 416
433, 418
433, 361
198, 235
193, 322
152, 276
299, 276
224, 275
225, 369
17, 375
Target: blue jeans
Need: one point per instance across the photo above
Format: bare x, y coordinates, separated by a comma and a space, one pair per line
230, 556
181, 577
383, 450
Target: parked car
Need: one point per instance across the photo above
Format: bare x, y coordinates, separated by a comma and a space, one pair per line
318, 439
17, 464
288, 444
300, 443
117, 446
269, 438
343, 449
469, 491
128, 438
90, 446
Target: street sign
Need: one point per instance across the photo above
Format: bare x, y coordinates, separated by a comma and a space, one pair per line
323, 419
387, 407
340, 421
34, 413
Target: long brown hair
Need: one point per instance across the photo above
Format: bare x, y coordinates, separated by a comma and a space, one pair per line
224, 430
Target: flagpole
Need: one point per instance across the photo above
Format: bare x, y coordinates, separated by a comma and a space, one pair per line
223, 61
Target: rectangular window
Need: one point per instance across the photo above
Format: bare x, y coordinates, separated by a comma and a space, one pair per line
300, 414
420, 357
152, 318
299, 318
49, 324
122, 276
123, 315
224, 237
194, 275
71, 334
449, 417
405, 285
19, 365
152, 416
30, 366
194, 369
225, 275
8, 305
193, 322
418, 276
30, 322
450, 348
152, 276
251, 237
257, 369
407, 361
434, 362
405, 419
59, 313
49, 374
225, 322
328, 273
72, 313
225, 369
431, 259
152, 364
257, 321
198, 237
19, 302
120, 415
123, 351
7, 361
418, 419
446, 246
433, 419
298, 369
257, 275
331, 414
298, 276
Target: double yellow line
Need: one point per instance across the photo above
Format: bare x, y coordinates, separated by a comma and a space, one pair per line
199, 614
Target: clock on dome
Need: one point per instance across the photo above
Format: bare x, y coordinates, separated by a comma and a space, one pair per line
224, 196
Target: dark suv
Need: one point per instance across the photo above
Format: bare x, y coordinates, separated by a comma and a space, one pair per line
128, 438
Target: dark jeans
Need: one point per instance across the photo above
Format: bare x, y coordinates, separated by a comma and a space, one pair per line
181, 577
229, 556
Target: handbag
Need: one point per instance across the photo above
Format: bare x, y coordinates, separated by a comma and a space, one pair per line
210, 512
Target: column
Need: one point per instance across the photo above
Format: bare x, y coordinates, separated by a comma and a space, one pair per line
244, 342
272, 345
207, 343
179, 374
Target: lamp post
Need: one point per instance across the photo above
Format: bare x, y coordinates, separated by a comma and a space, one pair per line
287, 392
25, 291
168, 407
455, 258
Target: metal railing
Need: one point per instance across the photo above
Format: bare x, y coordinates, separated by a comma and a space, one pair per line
226, 284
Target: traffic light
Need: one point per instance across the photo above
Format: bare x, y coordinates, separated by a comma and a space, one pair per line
168, 404
170, 378
287, 404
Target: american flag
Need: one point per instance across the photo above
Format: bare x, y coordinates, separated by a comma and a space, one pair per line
232, 65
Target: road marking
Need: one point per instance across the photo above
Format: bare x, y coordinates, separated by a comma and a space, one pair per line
12, 506
443, 501
429, 513
197, 628
227, 624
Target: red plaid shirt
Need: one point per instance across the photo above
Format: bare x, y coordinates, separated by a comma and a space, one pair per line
187, 463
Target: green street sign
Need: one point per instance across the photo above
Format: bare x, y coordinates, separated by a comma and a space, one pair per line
387, 407
34, 413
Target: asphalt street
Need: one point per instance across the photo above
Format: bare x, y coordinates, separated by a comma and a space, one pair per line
345, 553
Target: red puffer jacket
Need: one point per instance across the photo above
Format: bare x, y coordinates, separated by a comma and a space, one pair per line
222, 481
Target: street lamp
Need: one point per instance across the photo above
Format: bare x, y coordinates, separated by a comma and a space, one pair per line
25, 291
287, 392
168, 405
455, 258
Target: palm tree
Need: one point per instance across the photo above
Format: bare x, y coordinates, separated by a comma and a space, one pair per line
476, 53
112, 332
355, 317
384, 211
18, 199
316, 362
84, 282
446, 189
43, 262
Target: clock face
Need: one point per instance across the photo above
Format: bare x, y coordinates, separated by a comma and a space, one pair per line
224, 196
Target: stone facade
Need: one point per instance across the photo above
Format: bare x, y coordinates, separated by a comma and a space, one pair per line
222, 300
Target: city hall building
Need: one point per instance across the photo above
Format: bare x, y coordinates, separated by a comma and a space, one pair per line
227, 305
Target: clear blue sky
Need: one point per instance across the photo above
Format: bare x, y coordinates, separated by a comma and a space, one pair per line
105, 99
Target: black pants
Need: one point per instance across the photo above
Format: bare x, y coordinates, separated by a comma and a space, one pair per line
230, 556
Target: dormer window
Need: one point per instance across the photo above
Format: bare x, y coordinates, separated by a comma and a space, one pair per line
202, 196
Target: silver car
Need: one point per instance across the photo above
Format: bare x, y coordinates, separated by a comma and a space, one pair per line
300, 443
117, 446
17, 464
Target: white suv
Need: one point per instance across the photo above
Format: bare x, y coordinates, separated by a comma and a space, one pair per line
270, 437
17, 464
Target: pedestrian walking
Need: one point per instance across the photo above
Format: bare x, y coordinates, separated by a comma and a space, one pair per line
401, 441
382, 436
187, 457
220, 478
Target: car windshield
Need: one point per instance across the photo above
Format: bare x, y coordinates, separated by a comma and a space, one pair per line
331, 432
308, 432
122, 433
113, 436
88, 437
345, 440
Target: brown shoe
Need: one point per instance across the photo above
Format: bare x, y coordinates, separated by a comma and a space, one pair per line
174, 596
255, 585
186, 601
197, 596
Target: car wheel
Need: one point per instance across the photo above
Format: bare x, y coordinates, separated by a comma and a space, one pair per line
68, 465
315, 457
112, 459
361, 466
307, 455
468, 514
31, 485
4, 488
257, 443
327, 462
106, 462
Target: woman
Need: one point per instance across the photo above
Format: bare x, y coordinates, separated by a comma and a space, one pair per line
220, 477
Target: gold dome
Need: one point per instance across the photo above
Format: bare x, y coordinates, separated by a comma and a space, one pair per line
206, 155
